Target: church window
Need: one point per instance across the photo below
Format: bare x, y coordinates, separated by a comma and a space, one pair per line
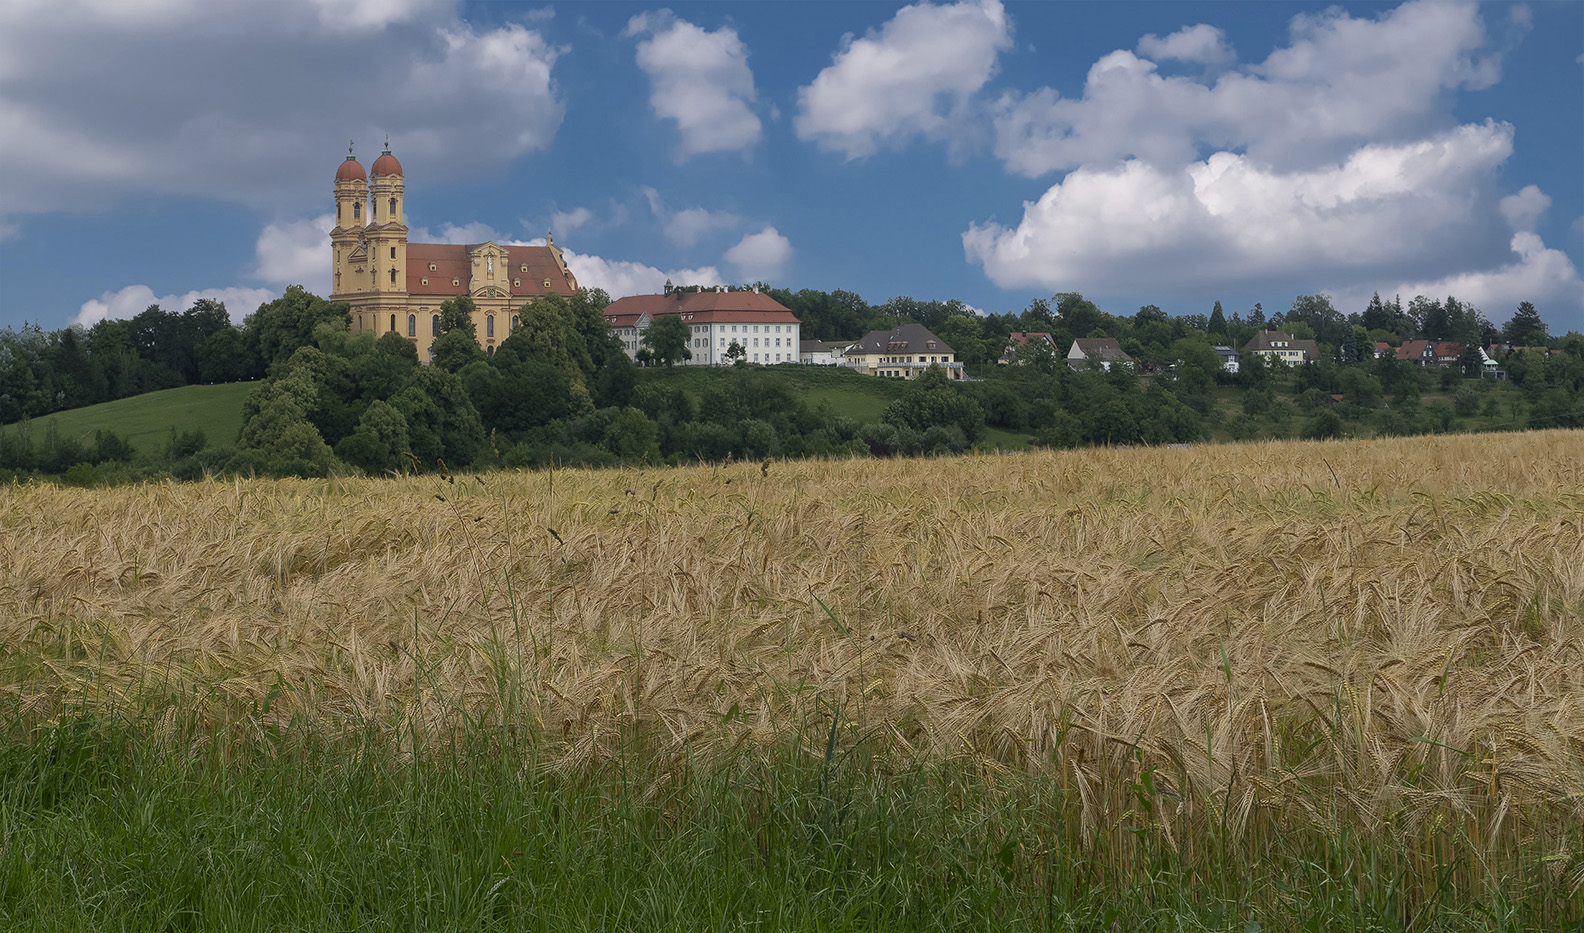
434, 325
393, 208
356, 210
489, 326
491, 351
393, 276
338, 213
393, 252
412, 325
514, 322
393, 322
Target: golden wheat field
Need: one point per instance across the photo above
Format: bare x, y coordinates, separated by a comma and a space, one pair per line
1386, 632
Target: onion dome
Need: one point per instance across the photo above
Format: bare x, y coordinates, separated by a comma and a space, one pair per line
350, 169
386, 164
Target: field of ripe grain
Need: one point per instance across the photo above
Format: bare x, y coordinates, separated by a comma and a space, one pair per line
1222, 642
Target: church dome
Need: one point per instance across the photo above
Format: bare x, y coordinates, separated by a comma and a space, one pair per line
386, 164
350, 170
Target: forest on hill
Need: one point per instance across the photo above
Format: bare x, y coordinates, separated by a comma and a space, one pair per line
561, 389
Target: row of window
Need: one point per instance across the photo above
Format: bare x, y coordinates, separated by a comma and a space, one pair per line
434, 325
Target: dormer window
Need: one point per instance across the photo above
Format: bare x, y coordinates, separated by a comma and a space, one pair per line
525, 267
547, 283
431, 267
424, 280
516, 283
455, 281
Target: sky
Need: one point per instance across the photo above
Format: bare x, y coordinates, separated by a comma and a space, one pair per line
1166, 153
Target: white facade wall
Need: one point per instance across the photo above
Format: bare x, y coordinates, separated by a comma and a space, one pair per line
762, 343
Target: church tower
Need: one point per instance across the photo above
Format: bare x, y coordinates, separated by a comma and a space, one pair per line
349, 269
387, 245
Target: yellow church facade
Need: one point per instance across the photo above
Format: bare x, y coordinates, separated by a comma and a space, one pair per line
396, 286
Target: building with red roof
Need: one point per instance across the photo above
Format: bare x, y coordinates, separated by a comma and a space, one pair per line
397, 286
767, 330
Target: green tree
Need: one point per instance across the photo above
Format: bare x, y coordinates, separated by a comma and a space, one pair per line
276, 430
288, 322
667, 338
1218, 322
933, 399
1525, 329
380, 441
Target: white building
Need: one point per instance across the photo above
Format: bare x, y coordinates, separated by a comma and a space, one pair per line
767, 330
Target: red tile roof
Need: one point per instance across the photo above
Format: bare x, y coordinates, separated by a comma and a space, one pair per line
705, 308
451, 262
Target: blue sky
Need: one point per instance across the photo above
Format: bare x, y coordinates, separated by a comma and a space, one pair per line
1141, 153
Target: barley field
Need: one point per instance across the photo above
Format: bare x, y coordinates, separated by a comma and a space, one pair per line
1202, 647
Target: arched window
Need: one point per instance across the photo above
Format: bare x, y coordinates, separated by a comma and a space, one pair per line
491, 351
412, 325
489, 326
393, 322
393, 276
514, 323
434, 325
357, 210
393, 209
338, 212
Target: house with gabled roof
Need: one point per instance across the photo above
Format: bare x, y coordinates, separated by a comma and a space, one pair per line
1103, 352
904, 352
1277, 345
1018, 339
767, 330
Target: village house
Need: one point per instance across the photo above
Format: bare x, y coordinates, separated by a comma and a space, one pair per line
903, 352
1276, 345
1018, 339
1098, 351
1229, 359
767, 330
820, 353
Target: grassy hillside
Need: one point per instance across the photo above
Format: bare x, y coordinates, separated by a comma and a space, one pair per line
146, 420
1299, 685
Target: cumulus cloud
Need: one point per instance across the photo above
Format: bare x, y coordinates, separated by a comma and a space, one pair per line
699, 79
1231, 219
1524, 209
910, 78
102, 101
1334, 161
567, 221
1341, 82
761, 256
1201, 44
1533, 273
620, 278
295, 253
134, 299
687, 227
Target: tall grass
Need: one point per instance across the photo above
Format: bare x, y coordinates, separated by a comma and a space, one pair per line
1278, 680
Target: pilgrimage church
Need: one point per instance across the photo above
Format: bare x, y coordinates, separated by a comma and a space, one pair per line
393, 285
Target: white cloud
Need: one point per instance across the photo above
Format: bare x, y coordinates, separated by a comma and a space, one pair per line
134, 299
467, 234
687, 227
701, 80
620, 278
253, 104
1229, 219
761, 256
1201, 44
567, 221
1534, 273
1340, 83
911, 78
1524, 209
295, 253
